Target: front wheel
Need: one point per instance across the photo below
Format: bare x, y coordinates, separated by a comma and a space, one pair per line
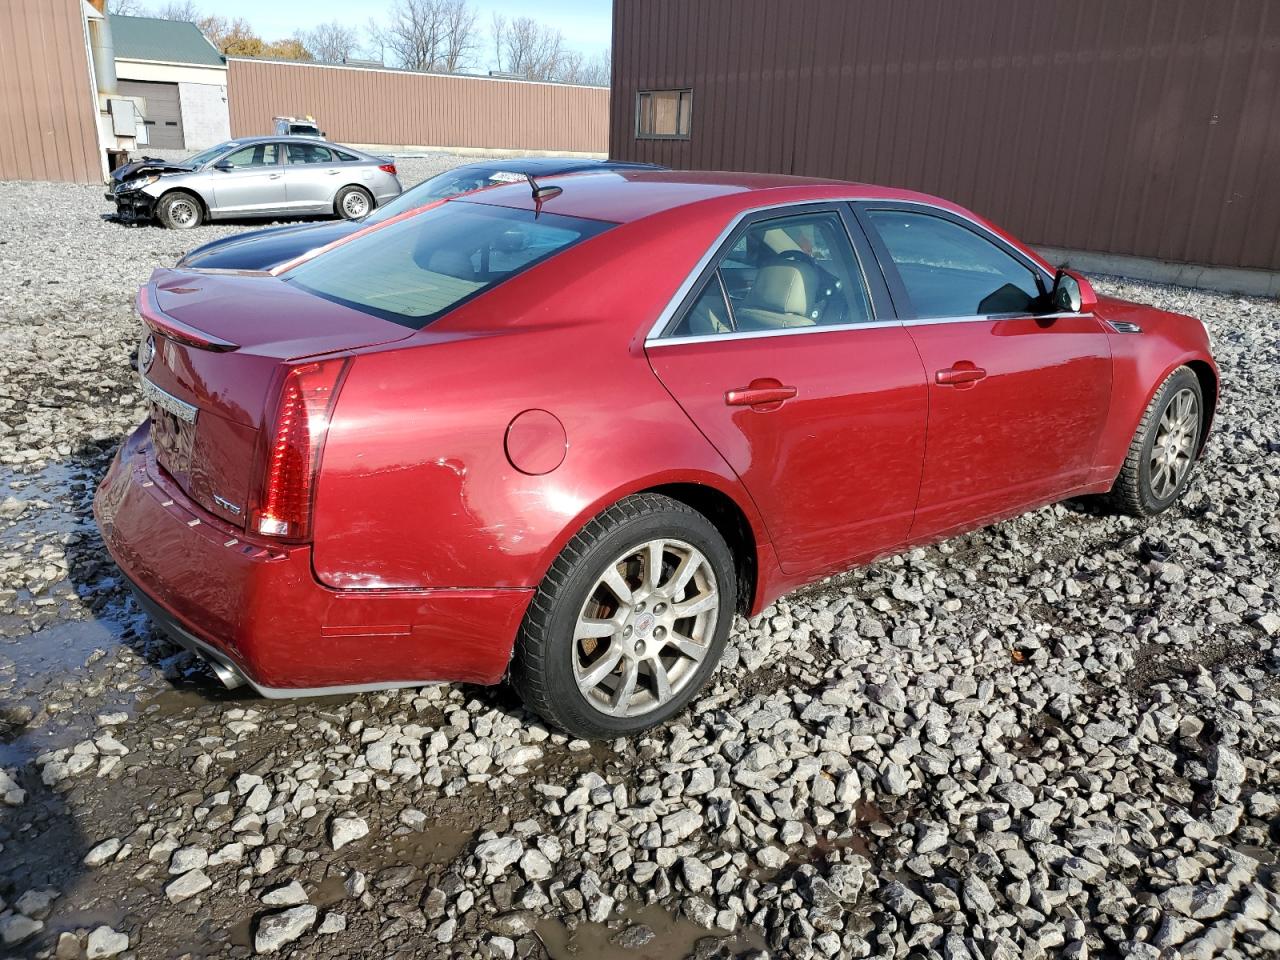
179, 211
1164, 449
352, 203
630, 620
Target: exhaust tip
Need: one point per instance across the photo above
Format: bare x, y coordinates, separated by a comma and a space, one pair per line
230, 677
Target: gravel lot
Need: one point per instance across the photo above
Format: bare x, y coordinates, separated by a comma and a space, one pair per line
1056, 737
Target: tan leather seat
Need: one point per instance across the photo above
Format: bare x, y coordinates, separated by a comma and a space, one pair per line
784, 295
707, 316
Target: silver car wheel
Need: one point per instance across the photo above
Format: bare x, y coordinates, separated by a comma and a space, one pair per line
355, 204
183, 212
646, 626
1174, 448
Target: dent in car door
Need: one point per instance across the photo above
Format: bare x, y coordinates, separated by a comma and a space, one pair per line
825, 427
1018, 396
256, 185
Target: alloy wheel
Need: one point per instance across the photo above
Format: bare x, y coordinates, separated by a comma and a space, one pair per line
1174, 448
182, 212
355, 204
645, 628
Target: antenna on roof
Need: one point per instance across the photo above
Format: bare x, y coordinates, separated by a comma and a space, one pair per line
541, 193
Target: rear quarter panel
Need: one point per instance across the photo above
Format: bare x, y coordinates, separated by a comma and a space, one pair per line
416, 489
1141, 363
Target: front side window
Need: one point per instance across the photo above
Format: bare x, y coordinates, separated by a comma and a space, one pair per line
664, 114
308, 153
414, 271
792, 272
258, 155
951, 271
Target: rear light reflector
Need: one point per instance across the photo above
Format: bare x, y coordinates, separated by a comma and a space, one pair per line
388, 168
292, 460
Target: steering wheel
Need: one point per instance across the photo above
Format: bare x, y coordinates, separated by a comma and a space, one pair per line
798, 255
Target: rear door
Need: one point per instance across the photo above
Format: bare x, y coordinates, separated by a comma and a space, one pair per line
786, 355
312, 176
255, 183
1017, 394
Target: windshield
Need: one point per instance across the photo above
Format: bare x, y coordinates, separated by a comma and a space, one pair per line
204, 156
416, 270
451, 183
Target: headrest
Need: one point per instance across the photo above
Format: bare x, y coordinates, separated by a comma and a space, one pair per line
785, 288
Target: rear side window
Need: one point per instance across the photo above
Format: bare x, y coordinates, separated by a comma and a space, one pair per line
417, 269
308, 153
345, 157
951, 271
787, 273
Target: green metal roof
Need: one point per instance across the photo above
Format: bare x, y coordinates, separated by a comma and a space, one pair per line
171, 41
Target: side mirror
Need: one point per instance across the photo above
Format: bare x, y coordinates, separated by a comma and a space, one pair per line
1065, 295
224, 165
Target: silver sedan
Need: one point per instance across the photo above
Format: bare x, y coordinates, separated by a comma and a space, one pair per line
255, 177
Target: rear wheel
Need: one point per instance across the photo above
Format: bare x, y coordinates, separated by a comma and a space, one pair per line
179, 211
1164, 449
629, 622
352, 203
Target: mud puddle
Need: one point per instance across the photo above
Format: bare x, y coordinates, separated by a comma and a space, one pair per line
640, 933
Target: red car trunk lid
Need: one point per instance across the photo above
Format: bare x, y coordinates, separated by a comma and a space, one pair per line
213, 356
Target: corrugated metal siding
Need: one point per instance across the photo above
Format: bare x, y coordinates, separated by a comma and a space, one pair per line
357, 105
1148, 127
48, 111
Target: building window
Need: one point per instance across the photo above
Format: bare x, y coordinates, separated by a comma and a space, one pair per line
663, 114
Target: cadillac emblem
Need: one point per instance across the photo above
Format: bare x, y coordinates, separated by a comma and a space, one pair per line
146, 353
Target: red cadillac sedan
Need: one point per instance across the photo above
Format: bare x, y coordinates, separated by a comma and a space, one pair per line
564, 435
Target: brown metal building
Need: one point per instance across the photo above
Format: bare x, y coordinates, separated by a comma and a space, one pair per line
362, 105
48, 104
1144, 127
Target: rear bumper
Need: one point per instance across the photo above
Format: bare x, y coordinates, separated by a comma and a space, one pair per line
260, 611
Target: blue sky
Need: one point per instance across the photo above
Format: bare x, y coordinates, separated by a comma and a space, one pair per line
584, 23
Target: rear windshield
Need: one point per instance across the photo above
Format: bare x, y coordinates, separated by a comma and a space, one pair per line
414, 271
441, 187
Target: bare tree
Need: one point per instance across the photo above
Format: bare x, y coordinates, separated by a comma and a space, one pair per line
174, 10
435, 35
126, 8
527, 48
332, 42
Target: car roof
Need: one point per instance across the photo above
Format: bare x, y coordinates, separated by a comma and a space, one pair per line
548, 166
281, 138
622, 196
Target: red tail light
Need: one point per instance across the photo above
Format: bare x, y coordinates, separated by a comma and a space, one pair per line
388, 168
293, 450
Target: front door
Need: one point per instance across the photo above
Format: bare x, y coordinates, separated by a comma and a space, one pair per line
1017, 394
813, 396
253, 185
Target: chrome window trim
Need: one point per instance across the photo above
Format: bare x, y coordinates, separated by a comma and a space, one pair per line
781, 332
654, 337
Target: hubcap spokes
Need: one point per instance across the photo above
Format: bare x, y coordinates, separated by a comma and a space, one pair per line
1175, 445
355, 205
645, 628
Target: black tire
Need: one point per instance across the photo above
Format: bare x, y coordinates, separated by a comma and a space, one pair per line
1138, 490
180, 210
542, 669
344, 199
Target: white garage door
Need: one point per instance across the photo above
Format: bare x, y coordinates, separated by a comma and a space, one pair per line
163, 113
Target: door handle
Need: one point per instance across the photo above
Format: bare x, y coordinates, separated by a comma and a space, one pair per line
333, 173
274, 176
759, 393
963, 373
